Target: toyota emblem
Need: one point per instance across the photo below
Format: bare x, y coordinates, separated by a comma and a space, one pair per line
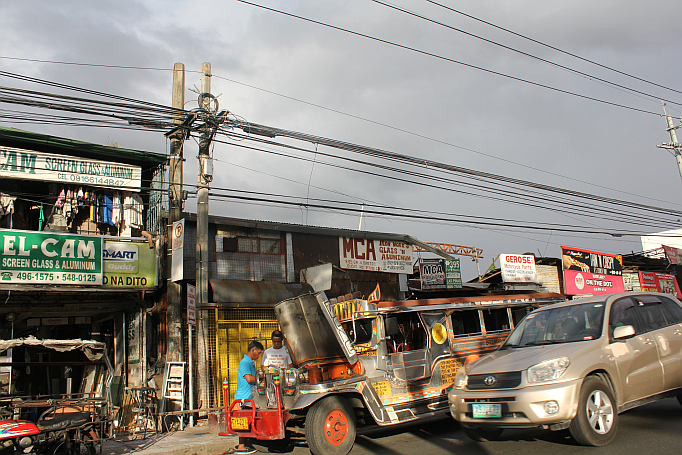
490, 380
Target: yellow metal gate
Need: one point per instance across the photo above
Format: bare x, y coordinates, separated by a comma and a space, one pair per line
236, 328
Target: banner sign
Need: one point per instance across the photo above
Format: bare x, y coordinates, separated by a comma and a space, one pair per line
177, 241
375, 255
589, 272
659, 282
440, 274
129, 264
518, 268
30, 257
673, 254
631, 282
191, 304
31, 165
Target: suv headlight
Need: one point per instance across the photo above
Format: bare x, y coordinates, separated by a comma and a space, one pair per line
548, 370
461, 378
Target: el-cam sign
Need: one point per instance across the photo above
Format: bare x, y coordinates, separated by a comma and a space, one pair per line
29, 257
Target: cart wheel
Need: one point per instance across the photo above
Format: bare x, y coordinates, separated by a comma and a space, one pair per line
85, 447
330, 427
60, 446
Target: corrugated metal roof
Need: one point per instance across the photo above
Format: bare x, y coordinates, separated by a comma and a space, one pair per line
10, 137
290, 227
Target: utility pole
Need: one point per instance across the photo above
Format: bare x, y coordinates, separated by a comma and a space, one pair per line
205, 176
673, 145
174, 290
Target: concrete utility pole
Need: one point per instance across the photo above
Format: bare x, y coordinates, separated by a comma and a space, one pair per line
174, 290
207, 109
673, 145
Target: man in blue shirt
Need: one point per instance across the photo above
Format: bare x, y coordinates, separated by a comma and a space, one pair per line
246, 377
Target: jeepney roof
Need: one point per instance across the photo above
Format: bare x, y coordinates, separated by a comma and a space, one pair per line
454, 303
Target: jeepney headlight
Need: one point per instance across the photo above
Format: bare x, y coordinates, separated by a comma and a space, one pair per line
291, 377
461, 378
548, 370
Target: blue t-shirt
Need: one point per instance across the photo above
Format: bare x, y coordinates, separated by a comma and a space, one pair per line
246, 366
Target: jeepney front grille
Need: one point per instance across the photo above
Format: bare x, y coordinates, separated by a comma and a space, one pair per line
501, 381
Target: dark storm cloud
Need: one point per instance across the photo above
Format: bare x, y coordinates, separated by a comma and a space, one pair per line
515, 122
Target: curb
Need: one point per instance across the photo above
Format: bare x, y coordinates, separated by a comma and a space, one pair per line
191, 441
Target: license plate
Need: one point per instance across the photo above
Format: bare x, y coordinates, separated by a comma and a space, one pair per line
486, 411
240, 423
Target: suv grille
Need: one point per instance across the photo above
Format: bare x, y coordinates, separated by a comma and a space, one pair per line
501, 381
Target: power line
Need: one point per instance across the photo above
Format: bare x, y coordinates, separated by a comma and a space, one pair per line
514, 197
553, 47
427, 218
425, 163
430, 54
83, 122
589, 76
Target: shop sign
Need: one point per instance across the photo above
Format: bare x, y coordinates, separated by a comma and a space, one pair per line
440, 274
518, 268
133, 337
129, 264
177, 250
191, 304
591, 273
31, 165
375, 255
659, 282
673, 254
631, 282
30, 257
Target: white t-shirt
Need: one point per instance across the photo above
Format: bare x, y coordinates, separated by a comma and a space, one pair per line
276, 357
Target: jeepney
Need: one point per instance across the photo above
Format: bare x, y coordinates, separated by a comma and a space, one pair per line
361, 363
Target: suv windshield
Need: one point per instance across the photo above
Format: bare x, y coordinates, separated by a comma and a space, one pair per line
559, 325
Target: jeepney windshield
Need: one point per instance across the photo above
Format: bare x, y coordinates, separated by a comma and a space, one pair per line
565, 324
363, 330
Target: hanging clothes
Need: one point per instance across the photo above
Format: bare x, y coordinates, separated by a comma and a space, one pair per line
60, 199
117, 216
41, 218
133, 211
108, 208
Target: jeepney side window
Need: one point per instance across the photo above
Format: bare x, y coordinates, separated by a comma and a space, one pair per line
465, 323
495, 319
362, 333
518, 313
411, 335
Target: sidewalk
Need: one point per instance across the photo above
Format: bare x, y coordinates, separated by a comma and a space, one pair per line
198, 440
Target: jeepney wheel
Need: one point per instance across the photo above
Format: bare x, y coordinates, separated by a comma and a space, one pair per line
330, 427
483, 434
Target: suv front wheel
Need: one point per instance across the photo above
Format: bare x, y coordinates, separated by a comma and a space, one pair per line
596, 422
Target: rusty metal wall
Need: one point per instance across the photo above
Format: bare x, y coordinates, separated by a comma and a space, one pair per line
311, 250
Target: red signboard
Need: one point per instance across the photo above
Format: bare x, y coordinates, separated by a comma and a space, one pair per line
673, 254
590, 272
659, 282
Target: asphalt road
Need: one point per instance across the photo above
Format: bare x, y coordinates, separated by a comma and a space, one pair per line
652, 429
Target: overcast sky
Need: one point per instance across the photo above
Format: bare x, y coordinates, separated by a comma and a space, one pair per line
264, 64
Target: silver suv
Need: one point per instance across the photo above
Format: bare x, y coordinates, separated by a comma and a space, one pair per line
575, 365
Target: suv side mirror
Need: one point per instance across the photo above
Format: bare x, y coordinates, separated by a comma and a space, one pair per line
623, 332
392, 326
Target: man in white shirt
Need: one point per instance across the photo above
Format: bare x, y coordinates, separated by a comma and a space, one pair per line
277, 355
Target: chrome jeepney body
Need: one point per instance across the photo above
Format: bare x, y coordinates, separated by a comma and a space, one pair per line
389, 362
